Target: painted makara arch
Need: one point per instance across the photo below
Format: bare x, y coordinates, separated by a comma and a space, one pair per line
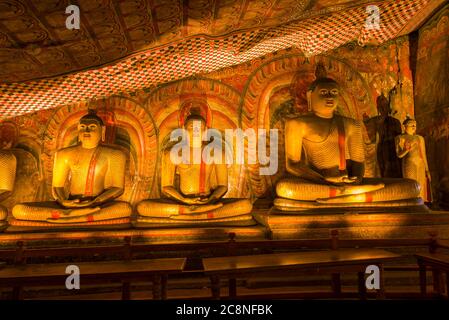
164, 104
280, 74
129, 127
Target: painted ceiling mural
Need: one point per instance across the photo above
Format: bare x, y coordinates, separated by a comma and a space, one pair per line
256, 94
126, 46
432, 99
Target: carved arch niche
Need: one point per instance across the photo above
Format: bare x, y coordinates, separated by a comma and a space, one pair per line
223, 101
24, 144
277, 89
128, 127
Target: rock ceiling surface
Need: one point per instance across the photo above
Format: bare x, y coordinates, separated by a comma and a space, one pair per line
130, 39
35, 42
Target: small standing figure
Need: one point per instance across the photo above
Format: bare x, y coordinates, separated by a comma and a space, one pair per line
411, 148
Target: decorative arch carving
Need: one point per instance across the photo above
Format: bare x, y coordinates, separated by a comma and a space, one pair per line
223, 101
131, 129
279, 74
26, 151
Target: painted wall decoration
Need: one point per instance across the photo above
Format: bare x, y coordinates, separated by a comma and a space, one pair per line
182, 57
432, 99
256, 94
277, 88
28, 175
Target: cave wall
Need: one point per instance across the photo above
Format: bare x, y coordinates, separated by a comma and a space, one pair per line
258, 94
432, 99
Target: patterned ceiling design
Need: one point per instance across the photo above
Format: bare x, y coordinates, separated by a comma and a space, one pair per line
34, 31
164, 41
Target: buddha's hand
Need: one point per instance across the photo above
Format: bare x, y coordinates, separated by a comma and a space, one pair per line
193, 201
69, 203
409, 146
210, 199
76, 203
342, 179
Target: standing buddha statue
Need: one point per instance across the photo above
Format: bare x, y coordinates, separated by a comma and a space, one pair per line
411, 148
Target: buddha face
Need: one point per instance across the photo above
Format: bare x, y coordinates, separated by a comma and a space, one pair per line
89, 133
195, 129
410, 127
5, 144
324, 98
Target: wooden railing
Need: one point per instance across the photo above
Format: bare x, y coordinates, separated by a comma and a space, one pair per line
195, 251
128, 249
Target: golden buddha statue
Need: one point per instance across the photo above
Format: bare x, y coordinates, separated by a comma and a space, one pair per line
411, 148
334, 151
198, 199
87, 178
8, 164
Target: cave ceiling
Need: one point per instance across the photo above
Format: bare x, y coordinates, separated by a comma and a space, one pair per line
35, 44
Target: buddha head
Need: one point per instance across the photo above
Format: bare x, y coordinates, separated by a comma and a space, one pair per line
91, 130
409, 126
195, 125
323, 96
8, 135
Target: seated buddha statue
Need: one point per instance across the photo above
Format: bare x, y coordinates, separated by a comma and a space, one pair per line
198, 200
8, 164
87, 178
332, 173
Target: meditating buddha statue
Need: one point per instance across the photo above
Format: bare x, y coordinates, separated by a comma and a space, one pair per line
333, 148
198, 199
8, 164
411, 148
87, 178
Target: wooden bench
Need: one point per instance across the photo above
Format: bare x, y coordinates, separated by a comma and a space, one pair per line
155, 270
131, 248
333, 262
438, 263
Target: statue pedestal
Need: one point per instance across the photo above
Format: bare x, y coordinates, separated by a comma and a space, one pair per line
162, 235
353, 225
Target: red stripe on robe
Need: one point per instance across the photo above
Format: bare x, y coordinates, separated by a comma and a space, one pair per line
88, 191
332, 192
202, 184
55, 215
341, 143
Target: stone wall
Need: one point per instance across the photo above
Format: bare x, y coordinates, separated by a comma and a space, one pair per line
258, 95
432, 99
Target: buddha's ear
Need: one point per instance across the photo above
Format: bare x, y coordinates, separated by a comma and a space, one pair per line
309, 100
103, 133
